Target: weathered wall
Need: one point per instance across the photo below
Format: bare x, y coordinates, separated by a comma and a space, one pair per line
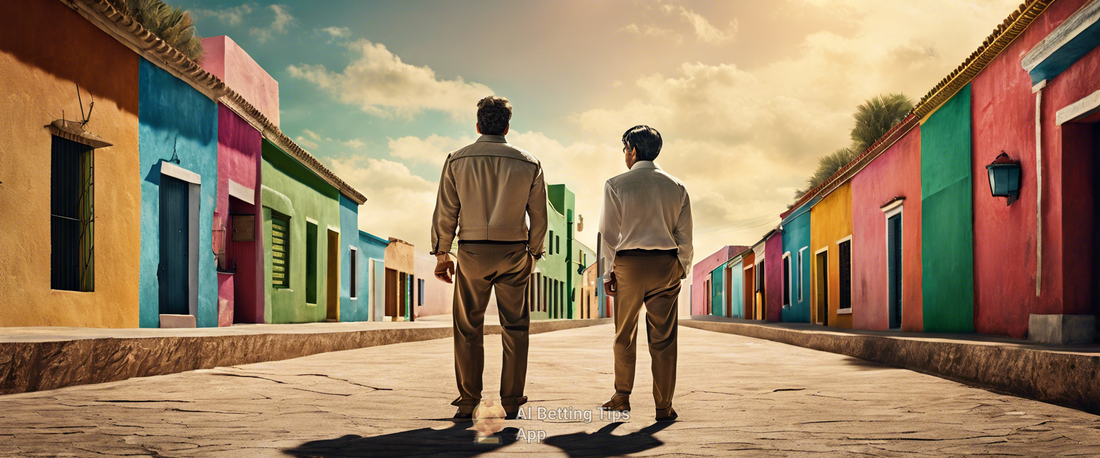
947, 228
175, 119
289, 188
239, 161
700, 272
796, 238
773, 276
349, 237
748, 284
239, 71
39, 69
372, 300
830, 221
438, 296
895, 173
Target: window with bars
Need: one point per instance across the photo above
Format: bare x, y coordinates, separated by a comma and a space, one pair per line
280, 251
550, 248
72, 216
845, 258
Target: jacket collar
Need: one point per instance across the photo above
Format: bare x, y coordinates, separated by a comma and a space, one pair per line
644, 165
492, 138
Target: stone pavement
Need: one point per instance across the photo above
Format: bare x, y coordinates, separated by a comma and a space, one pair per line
736, 396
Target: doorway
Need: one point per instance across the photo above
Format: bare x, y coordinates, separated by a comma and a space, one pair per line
332, 287
821, 287
172, 274
893, 271
391, 293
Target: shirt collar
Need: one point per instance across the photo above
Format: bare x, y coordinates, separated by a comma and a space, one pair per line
644, 165
492, 138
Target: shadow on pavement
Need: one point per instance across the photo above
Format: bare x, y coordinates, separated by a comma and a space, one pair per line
456, 441
602, 443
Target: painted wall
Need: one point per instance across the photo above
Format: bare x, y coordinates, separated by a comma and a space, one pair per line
830, 221
349, 237
226, 60
239, 161
175, 119
773, 276
718, 290
700, 272
737, 290
39, 69
290, 189
748, 283
895, 173
796, 237
1005, 249
372, 305
582, 256
947, 227
552, 267
400, 258
438, 296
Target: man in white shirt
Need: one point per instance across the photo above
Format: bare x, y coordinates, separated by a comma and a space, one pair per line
646, 227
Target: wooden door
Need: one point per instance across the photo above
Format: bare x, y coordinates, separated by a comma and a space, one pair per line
391, 292
332, 278
174, 240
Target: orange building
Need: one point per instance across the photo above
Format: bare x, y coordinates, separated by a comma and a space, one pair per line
831, 244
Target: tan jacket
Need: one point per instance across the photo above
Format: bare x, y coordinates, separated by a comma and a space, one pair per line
486, 191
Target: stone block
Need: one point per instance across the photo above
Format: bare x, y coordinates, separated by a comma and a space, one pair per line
1062, 329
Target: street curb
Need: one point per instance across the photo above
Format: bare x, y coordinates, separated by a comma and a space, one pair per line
38, 366
1065, 379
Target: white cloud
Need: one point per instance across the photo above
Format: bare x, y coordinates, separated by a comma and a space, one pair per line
337, 32
431, 150
306, 143
380, 84
312, 134
353, 143
704, 31
283, 20
399, 203
233, 16
649, 30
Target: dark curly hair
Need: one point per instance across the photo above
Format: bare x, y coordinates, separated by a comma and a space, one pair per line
645, 139
493, 115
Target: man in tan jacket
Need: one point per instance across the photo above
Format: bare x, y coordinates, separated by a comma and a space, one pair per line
646, 227
486, 192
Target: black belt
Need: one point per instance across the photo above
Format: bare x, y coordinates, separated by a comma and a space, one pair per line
492, 242
640, 252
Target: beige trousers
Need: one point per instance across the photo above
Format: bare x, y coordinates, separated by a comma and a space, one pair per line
507, 269
655, 282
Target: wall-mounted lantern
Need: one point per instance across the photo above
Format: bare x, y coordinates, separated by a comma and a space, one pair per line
1004, 177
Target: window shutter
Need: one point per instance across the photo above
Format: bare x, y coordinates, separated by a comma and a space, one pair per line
846, 274
280, 252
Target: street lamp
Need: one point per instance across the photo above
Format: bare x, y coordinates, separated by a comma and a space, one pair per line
1004, 177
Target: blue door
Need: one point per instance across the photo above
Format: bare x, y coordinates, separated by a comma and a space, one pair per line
174, 237
717, 291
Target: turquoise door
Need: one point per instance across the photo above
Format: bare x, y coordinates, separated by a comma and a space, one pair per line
717, 292
174, 237
737, 293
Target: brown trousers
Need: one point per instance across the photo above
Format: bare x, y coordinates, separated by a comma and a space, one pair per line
507, 269
654, 281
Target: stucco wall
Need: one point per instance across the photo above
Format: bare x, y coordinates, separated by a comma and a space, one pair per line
292, 190
773, 276
239, 161
947, 227
349, 237
796, 237
700, 272
830, 221
39, 67
895, 173
371, 247
226, 60
175, 119
438, 296
737, 290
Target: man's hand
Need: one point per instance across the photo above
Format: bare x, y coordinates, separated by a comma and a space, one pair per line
444, 268
611, 287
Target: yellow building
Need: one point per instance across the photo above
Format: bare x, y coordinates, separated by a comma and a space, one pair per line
831, 244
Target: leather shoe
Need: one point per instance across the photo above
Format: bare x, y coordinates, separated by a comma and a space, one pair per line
668, 414
511, 411
618, 402
464, 413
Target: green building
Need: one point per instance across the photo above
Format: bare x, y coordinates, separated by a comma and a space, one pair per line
559, 274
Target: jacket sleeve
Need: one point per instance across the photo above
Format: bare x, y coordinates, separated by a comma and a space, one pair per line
536, 210
445, 218
611, 222
682, 235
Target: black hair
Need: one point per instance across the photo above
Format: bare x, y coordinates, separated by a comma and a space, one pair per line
645, 139
493, 115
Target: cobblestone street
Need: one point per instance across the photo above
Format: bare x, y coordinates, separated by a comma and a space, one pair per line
735, 396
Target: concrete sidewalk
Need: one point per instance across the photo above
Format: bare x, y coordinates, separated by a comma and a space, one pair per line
1063, 375
46, 358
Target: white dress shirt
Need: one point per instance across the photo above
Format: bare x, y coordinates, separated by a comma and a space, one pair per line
645, 208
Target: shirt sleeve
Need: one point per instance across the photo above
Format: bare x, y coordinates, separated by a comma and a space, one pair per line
445, 218
536, 210
682, 236
610, 226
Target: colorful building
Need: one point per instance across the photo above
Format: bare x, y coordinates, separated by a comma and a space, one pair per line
735, 273
831, 244
372, 277
431, 295
400, 277
553, 291
795, 228
776, 280
748, 283
711, 283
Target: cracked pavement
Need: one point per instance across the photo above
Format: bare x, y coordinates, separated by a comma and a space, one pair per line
735, 395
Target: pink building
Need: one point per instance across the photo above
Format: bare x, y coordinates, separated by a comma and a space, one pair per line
773, 276
236, 68
702, 288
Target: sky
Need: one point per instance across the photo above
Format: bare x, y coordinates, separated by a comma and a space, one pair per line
747, 95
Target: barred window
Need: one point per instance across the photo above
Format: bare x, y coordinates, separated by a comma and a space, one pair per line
72, 216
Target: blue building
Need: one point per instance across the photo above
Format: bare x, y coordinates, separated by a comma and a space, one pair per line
372, 278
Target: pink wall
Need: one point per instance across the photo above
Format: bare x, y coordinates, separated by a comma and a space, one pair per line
237, 69
773, 276
438, 296
225, 299
895, 173
1004, 236
239, 160
699, 273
